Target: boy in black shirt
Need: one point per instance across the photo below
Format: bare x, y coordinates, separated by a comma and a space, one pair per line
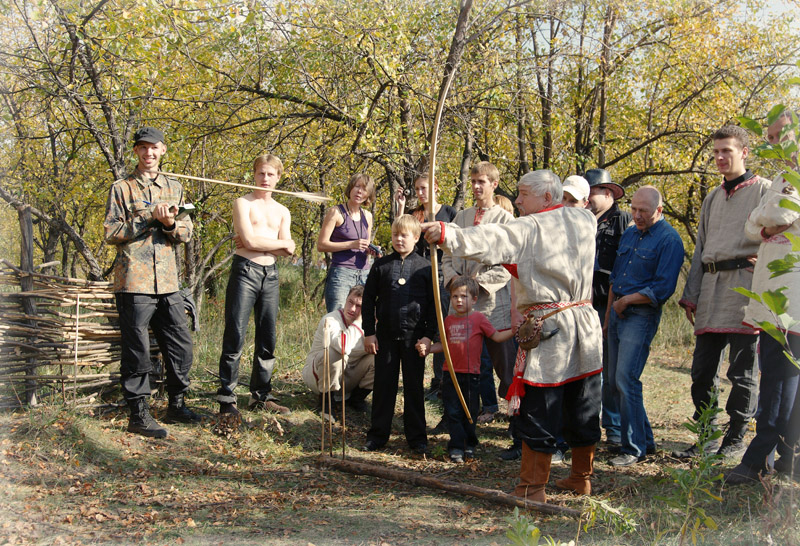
399, 294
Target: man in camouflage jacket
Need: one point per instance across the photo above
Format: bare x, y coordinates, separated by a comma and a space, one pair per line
141, 221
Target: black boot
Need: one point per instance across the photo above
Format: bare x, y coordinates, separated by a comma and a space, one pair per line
141, 422
177, 412
228, 408
513, 452
357, 400
329, 404
733, 445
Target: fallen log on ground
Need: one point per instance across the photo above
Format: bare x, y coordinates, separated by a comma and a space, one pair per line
414, 478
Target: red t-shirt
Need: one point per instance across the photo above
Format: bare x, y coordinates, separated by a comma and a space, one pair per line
465, 340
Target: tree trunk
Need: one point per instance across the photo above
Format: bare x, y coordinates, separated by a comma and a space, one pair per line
26, 283
522, 115
307, 253
95, 273
466, 159
605, 59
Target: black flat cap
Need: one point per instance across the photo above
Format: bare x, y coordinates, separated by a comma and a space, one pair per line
148, 134
601, 178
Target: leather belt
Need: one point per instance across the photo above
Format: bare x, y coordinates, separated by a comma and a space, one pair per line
727, 265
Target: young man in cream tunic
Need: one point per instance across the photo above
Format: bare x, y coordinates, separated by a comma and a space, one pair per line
723, 259
494, 299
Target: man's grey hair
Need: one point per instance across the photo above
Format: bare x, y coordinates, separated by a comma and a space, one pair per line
543, 181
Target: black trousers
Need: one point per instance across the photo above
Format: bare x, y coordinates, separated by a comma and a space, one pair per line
394, 355
742, 373
463, 435
571, 410
251, 288
165, 314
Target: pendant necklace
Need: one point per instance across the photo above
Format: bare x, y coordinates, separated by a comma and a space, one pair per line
359, 229
401, 281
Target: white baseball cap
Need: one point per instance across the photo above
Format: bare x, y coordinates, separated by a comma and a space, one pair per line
577, 187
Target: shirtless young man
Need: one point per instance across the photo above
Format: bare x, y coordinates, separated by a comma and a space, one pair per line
262, 232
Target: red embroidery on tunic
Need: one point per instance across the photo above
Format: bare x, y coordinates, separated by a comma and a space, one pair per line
512, 268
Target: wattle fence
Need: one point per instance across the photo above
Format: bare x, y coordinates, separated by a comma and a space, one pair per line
59, 339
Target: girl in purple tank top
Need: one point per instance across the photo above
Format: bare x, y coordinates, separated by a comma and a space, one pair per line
346, 232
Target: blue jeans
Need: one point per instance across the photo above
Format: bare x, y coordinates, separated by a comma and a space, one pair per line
610, 415
629, 339
338, 284
251, 287
486, 388
463, 434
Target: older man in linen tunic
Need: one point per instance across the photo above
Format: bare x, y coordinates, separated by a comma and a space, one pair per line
551, 248
723, 259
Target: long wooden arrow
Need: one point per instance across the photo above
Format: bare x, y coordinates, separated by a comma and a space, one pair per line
314, 197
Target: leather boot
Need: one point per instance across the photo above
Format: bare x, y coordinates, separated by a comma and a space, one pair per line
357, 400
579, 479
533, 474
733, 445
141, 422
177, 412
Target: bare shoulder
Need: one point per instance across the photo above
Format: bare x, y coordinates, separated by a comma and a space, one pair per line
243, 203
333, 214
279, 208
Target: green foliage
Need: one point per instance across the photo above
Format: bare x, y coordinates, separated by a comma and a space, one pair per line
696, 485
621, 521
523, 532
335, 89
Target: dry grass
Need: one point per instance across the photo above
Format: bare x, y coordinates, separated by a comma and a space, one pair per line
69, 476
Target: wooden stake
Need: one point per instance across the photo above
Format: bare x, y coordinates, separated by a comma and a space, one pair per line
77, 321
342, 341
326, 345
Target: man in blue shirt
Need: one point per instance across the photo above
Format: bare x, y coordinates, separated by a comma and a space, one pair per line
644, 277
